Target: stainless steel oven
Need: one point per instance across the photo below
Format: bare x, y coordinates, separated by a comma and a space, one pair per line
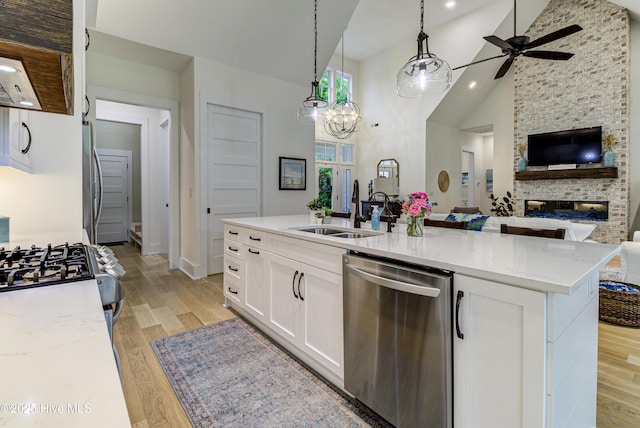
397, 339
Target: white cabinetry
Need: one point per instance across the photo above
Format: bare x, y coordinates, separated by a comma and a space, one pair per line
16, 139
306, 309
233, 266
499, 355
520, 355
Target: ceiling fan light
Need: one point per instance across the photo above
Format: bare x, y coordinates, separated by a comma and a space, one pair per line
428, 75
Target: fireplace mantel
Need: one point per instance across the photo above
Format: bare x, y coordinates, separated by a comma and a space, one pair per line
561, 174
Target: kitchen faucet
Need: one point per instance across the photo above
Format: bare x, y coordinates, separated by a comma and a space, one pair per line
386, 214
355, 198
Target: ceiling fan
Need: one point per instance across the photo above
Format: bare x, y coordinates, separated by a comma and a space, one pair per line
520, 45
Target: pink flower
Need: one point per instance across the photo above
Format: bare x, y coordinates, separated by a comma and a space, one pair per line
417, 205
414, 210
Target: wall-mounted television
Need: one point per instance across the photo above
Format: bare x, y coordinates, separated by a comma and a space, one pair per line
577, 146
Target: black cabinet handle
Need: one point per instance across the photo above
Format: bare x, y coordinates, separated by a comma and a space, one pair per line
26, 149
254, 239
458, 300
253, 252
293, 284
231, 232
232, 269
231, 291
299, 291
233, 249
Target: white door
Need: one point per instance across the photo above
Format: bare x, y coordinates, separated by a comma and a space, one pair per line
233, 151
283, 277
116, 188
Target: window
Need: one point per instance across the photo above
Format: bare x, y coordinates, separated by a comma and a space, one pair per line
343, 88
338, 89
346, 153
324, 86
326, 152
333, 175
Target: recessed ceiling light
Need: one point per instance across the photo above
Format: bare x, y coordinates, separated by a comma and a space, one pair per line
26, 103
450, 4
472, 85
7, 69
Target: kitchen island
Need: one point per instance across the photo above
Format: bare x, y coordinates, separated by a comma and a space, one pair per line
526, 319
56, 362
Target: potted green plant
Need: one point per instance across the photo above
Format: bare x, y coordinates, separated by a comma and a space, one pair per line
502, 208
315, 208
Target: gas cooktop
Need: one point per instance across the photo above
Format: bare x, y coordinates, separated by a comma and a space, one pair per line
22, 268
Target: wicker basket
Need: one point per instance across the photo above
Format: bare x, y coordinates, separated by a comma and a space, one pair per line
620, 307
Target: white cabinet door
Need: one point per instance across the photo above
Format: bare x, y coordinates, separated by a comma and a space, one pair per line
322, 335
306, 309
284, 309
499, 355
17, 138
255, 294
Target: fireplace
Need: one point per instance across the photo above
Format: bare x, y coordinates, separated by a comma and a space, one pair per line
568, 210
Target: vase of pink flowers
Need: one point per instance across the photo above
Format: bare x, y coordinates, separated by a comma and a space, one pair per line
416, 208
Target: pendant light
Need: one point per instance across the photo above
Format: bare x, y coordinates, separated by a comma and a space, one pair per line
312, 107
342, 118
425, 73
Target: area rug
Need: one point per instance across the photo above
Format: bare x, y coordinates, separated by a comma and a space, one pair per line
229, 375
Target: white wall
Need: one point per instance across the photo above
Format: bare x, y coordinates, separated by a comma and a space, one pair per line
50, 199
401, 130
444, 153
283, 135
110, 72
497, 110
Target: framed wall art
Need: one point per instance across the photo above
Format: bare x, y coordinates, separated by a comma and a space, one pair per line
293, 174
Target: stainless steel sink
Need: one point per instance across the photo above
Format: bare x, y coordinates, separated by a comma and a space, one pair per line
338, 233
320, 230
354, 235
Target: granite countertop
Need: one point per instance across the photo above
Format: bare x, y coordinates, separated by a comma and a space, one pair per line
56, 362
542, 264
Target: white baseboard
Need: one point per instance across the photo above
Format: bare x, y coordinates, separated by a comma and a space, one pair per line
188, 268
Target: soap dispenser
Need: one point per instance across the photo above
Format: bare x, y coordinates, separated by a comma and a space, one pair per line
375, 218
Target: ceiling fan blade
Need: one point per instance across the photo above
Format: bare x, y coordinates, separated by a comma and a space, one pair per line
498, 42
478, 62
561, 56
505, 67
563, 32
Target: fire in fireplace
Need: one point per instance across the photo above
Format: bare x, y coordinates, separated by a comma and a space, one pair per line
568, 210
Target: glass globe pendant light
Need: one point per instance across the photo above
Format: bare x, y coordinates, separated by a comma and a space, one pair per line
313, 106
425, 73
342, 118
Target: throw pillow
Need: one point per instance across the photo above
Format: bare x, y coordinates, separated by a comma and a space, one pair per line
477, 222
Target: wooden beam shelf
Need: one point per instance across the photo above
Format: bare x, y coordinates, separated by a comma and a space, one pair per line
563, 174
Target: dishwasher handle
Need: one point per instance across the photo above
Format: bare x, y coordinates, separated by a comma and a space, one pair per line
393, 284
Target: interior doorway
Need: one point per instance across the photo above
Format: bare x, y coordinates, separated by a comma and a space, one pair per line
468, 179
153, 131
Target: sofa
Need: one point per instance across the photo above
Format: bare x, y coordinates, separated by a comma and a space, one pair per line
573, 231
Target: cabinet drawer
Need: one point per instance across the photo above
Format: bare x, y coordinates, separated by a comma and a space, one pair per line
233, 248
233, 268
255, 238
233, 289
322, 256
234, 233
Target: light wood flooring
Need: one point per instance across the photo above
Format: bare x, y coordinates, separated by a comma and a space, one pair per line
160, 302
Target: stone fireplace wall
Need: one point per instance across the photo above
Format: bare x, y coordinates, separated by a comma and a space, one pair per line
590, 89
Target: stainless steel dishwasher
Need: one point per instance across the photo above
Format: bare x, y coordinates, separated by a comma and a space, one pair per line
397, 340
